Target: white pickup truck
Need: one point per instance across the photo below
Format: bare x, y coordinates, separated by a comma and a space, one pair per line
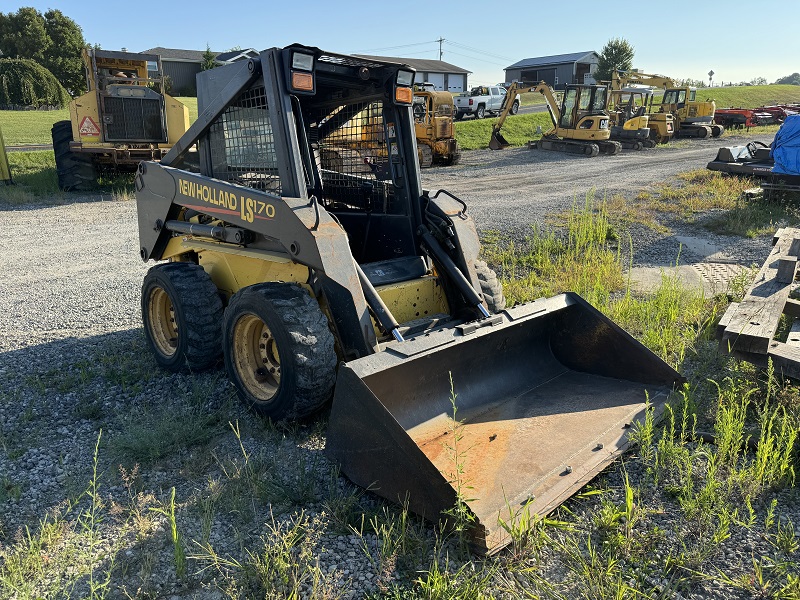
482, 100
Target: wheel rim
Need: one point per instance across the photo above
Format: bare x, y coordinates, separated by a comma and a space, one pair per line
163, 327
255, 357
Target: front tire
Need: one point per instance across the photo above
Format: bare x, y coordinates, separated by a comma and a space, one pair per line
182, 316
491, 287
76, 172
279, 351
514, 108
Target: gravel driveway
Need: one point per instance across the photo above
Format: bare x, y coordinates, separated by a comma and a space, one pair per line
73, 362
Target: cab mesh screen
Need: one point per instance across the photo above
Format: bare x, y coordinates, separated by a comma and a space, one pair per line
243, 146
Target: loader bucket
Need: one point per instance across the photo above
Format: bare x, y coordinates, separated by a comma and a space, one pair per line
497, 141
545, 400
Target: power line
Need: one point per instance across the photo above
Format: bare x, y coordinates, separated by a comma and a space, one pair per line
480, 59
396, 47
479, 51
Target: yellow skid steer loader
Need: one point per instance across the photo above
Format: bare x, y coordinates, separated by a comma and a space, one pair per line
321, 271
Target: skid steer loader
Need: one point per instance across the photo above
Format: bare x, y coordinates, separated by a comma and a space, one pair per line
319, 270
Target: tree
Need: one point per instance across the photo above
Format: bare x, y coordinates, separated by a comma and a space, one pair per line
758, 81
793, 79
52, 39
617, 55
209, 59
64, 59
24, 82
23, 35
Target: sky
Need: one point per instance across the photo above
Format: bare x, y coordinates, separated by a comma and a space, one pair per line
738, 40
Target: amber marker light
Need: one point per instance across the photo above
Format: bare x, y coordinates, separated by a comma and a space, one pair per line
303, 81
404, 95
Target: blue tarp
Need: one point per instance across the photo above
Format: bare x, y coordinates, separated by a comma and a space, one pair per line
786, 147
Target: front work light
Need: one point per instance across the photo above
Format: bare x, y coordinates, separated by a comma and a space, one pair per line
405, 78
403, 95
302, 62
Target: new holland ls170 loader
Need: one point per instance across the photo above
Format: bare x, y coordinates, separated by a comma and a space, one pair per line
319, 270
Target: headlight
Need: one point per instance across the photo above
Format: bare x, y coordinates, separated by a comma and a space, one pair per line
302, 62
405, 78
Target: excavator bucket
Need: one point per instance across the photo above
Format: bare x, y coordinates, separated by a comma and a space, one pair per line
497, 141
545, 397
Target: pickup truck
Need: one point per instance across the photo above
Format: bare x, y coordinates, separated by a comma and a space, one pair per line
482, 100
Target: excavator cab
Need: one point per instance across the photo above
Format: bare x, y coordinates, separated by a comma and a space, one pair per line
582, 101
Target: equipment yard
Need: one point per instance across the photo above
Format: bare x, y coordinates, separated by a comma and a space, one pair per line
161, 485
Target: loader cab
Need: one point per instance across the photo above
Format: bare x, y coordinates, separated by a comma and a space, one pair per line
348, 143
581, 101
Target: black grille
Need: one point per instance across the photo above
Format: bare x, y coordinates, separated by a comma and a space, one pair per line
134, 120
243, 145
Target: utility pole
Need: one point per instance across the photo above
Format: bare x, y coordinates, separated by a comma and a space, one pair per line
440, 40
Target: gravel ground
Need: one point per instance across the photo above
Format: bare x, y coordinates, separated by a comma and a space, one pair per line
73, 362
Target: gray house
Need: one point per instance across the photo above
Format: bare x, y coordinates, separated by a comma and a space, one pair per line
442, 75
182, 66
556, 70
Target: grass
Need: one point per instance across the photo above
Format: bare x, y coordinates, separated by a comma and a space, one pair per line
22, 127
751, 96
518, 130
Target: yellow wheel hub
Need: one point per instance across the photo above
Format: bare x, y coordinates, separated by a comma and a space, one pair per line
161, 316
255, 356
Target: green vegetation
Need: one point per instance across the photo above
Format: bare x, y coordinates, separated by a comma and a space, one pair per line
750, 96
24, 82
518, 130
30, 126
52, 40
616, 55
34, 174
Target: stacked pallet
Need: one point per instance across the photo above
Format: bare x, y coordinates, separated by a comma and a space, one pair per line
747, 329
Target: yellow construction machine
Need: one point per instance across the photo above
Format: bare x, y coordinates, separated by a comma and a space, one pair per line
327, 281
580, 122
125, 117
691, 117
630, 123
433, 125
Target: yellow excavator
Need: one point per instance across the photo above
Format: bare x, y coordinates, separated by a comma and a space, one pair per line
692, 118
630, 123
580, 122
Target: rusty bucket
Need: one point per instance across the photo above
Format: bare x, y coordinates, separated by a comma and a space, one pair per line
545, 399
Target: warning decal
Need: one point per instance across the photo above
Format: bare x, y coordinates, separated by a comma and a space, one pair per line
89, 128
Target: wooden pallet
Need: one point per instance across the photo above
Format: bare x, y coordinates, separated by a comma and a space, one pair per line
747, 329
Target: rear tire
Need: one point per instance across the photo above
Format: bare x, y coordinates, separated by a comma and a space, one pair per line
491, 287
480, 112
76, 171
279, 351
182, 316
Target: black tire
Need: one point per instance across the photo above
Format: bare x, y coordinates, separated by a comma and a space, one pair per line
480, 112
515, 107
182, 316
298, 355
491, 287
76, 172
459, 116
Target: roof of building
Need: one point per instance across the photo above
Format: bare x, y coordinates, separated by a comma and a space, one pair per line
232, 55
420, 64
178, 54
555, 59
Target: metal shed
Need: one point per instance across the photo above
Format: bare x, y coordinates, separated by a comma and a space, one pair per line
556, 70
